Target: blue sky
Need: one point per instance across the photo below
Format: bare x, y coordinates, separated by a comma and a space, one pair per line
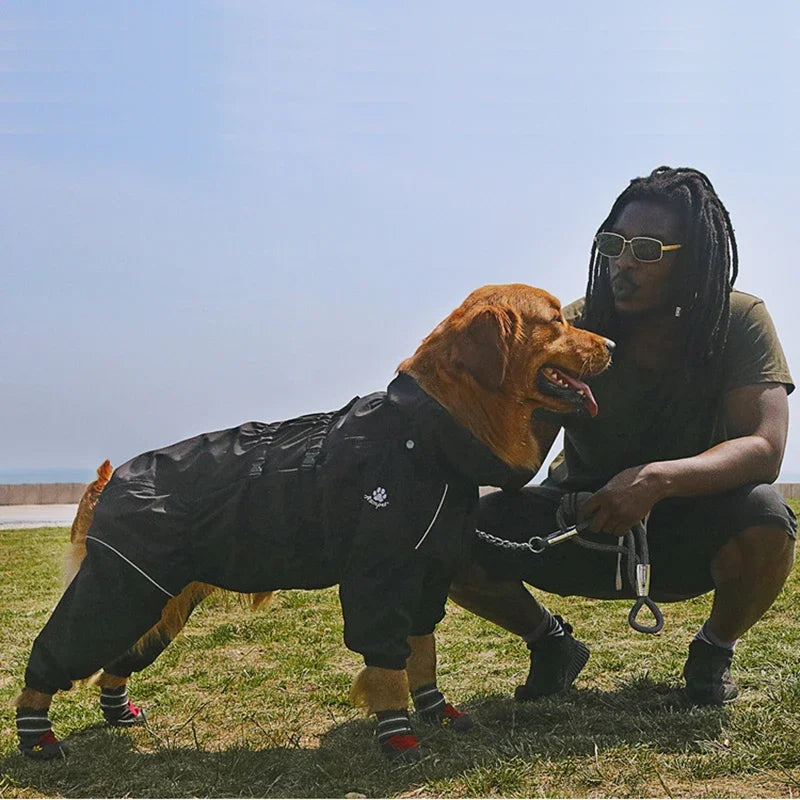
221, 211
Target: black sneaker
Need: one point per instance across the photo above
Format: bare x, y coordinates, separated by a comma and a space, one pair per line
708, 675
555, 663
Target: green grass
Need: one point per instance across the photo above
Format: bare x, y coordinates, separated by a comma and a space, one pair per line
255, 704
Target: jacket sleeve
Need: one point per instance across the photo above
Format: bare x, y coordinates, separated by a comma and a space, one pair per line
378, 597
430, 606
386, 588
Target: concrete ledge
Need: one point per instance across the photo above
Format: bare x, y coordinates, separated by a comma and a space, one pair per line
53, 515
38, 494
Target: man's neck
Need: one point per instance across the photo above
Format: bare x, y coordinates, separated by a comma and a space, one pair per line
652, 338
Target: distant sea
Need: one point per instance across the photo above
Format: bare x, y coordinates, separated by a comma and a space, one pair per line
51, 475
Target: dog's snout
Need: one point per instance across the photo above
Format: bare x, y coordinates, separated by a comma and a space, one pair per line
610, 346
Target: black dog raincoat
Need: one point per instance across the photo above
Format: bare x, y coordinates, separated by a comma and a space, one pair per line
379, 497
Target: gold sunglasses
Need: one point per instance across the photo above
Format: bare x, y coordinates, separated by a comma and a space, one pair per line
644, 248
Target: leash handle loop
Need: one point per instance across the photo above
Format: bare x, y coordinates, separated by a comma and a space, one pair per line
658, 617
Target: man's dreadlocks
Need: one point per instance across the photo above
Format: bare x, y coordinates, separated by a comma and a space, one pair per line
709, 257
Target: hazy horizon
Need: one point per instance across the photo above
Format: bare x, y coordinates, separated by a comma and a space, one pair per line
225, 210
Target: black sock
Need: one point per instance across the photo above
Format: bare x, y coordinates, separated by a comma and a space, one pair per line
549, 626
705, 634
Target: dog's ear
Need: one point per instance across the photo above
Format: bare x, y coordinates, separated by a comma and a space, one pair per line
482, 347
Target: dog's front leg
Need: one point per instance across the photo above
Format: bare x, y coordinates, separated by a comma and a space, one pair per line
421, 664
384, 692
377, 689
429, 702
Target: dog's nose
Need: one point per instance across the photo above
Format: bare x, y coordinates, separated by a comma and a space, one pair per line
610, 346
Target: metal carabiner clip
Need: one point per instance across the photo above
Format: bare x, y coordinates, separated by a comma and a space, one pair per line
538, 544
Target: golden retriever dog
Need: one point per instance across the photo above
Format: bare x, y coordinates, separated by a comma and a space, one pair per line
379, 497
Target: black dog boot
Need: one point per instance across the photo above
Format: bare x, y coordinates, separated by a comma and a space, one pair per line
118, 709
556, 660
434, 709
395, 736
36, 737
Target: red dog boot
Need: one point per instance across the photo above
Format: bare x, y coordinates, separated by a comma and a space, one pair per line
118, 709
36, 737
395, 737
433, 708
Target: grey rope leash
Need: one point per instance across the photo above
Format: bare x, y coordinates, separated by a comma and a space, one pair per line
635, 550
637, 560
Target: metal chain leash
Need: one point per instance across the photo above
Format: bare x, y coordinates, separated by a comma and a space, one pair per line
536, 544
505, 544
638, 562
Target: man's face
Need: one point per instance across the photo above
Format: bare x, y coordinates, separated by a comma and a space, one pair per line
640, 287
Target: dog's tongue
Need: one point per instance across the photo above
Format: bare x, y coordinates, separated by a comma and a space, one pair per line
580, 386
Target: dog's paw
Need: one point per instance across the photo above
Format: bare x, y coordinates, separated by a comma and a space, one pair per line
403, 748
47, 748
454, 719
448, 716
118, 710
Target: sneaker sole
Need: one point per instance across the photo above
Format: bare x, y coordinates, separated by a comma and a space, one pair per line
711, 701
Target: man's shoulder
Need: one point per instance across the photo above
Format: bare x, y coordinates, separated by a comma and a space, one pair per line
743, 302
748, 312
753, 352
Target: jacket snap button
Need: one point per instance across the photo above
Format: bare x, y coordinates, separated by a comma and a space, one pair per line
410, 444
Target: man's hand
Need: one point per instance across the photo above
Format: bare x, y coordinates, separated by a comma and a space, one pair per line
625, 500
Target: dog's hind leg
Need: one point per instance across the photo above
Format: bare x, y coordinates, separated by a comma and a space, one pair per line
114, 702
105, 609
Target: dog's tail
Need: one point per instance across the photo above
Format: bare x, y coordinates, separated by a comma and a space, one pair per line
83, 521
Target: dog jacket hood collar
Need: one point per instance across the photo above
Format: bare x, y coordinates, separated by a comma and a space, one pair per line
460, 451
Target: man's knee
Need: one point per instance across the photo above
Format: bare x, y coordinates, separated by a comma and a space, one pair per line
762, 505
758, 549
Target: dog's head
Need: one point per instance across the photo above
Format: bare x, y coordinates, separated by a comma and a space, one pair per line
505, 352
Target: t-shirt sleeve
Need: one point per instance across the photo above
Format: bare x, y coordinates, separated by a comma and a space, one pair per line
753, 353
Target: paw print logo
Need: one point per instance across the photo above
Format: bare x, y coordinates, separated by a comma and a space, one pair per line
378, 498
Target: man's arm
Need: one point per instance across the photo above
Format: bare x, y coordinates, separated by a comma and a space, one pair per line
757, 420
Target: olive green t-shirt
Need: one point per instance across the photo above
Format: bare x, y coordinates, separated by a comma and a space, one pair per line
640, 420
